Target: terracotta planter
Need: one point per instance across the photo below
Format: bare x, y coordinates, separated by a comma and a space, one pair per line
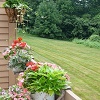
42, 96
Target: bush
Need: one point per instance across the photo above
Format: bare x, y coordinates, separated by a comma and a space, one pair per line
47, 20
95, 38
88, 43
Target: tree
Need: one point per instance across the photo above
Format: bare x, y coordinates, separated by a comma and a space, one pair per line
66, 9
47, 20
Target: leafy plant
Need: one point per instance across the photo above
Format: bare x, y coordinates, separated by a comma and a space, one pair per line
18, 54
21, 4
88, 43
47, 20
44, 77
19, 60
95, 38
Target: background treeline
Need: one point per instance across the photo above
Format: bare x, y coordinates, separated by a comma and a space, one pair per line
64, 19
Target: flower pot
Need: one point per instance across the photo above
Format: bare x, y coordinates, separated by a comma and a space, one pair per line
17, 70
11, 14
42, 96
15, 15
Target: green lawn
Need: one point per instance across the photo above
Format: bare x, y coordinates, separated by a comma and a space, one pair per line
82, 63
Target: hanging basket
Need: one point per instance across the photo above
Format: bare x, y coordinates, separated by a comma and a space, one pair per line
15, 15
11, 14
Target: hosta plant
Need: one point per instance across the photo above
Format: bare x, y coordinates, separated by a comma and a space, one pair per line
44, 77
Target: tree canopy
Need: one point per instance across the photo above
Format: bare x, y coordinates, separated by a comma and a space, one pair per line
64, 19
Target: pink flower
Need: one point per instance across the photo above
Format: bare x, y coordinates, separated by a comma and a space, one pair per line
25, 90
20, 84
7, 51
21, 74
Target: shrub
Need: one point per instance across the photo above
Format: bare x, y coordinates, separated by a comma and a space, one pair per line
47, 20
95, 38
88, 43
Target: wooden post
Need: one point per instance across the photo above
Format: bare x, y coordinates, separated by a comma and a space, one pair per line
12, 36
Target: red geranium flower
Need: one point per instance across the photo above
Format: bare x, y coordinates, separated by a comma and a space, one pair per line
13, 45
19, 39
30, 63
15, 41
22, 44
34, 67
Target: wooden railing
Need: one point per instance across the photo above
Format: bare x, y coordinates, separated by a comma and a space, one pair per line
69, 95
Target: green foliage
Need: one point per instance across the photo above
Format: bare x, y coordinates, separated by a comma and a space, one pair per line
95, 23
82, 28
30, 16
18, 4
94, 38
45, 79
66, 10
64, 19
47, 20
88, 43
19, 60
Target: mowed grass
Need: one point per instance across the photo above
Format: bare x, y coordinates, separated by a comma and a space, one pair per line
81, 63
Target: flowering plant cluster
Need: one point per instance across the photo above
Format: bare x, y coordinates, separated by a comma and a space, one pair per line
43, 77
14, 93
36, 76
18, 54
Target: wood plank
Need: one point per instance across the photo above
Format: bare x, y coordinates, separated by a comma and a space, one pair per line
5, 79
3, 62
4, 36
3, 18
12, 32
71, 96
1, 56
2, 11
1, 3
3, 30
4, 74
3, 24
3, 48
4, 68
4, 85
3, 42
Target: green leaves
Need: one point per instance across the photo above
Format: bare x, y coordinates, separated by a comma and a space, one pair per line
46, 79
19, 60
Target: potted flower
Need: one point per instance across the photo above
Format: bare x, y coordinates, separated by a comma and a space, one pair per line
15, 9
43, 80
14, 93
18, 55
